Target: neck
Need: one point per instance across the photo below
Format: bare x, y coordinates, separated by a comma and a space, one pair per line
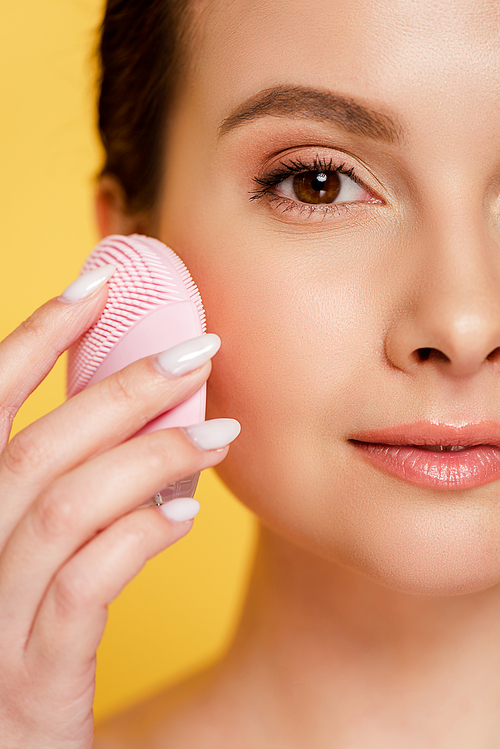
325, 645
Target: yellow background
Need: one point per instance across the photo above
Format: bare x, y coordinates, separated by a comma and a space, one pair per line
180, 612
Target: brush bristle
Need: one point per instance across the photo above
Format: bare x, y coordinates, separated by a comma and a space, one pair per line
149, 274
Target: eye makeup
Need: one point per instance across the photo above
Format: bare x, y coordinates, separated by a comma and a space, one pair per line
320, 185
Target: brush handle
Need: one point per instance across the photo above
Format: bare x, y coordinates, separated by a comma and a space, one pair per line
155, 332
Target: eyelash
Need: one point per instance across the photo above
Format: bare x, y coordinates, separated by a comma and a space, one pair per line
297, 166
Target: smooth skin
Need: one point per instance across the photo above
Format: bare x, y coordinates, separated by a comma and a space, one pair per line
374, 610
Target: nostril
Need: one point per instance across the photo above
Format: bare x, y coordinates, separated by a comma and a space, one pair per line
494, 355
423, 354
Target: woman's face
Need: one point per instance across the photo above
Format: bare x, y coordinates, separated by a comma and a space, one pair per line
375, 309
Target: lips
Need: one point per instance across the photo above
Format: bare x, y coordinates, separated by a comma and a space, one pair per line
440, 456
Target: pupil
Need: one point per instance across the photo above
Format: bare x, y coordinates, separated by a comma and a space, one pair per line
317, 187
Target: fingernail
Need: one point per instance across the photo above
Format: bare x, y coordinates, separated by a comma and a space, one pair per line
87, 284
213, 434
188, 355
180, 510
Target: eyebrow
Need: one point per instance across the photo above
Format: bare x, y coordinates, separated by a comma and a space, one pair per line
303, 102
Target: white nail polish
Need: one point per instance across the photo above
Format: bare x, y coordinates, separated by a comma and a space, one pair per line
188, 355
88, 284
213, 434
180, 510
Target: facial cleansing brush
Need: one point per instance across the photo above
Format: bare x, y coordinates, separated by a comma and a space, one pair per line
153, 304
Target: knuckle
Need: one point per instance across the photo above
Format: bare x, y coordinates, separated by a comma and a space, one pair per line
71, 592
122, 389
133, 536
160, 449
53, 516
26, 453
33, 325
75, 589
7, 413
35, 328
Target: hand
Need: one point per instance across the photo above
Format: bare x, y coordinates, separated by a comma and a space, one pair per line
70, 534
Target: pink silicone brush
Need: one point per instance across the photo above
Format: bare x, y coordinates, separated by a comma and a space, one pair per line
153, 304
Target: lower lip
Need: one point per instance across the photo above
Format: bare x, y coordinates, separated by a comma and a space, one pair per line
441, 470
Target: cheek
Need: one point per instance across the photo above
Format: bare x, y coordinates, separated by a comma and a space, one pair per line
285, 347
288, 369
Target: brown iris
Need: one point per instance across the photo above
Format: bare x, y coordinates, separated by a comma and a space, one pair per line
317, 187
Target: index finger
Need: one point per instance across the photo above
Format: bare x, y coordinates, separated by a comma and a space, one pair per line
28, 354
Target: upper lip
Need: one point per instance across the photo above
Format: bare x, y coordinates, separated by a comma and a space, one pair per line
432, 433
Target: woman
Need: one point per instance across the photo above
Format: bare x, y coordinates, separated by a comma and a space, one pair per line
330, 174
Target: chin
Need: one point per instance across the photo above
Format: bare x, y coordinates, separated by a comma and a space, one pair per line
424, 559
453, 578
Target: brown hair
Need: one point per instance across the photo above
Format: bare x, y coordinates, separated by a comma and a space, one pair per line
142, 54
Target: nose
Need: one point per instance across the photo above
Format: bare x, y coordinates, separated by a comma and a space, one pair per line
449, 318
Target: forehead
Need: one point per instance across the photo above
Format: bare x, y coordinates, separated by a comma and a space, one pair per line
413, 58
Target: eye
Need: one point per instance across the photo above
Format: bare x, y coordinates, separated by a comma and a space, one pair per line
322, 187
317, 186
